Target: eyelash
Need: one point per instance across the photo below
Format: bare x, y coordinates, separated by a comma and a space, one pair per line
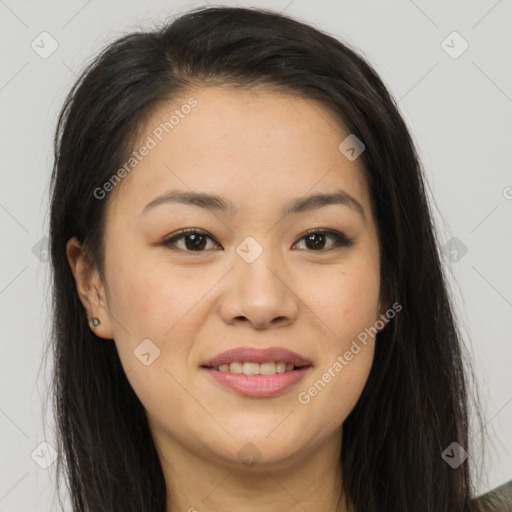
340, 239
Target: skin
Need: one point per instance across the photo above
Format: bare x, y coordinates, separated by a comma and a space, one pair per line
259, 150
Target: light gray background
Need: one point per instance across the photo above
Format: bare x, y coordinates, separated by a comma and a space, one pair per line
458, 109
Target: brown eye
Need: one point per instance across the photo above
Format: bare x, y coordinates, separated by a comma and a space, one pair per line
194, 240
316, 240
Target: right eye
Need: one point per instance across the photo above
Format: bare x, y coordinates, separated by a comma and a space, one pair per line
194, 240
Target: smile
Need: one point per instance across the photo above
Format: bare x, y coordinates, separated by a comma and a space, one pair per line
257, 372
252, 368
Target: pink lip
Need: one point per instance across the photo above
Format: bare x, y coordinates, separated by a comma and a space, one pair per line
257, 355
258, 385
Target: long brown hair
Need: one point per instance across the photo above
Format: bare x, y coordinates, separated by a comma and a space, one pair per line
416, 401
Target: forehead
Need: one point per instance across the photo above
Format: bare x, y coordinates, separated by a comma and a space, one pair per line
242, 144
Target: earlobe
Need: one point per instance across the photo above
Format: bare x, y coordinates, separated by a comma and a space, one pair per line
90, 289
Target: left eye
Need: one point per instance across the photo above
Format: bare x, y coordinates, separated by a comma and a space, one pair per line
316, 239
195, 240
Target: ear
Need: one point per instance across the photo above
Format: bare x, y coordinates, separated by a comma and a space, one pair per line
90, 288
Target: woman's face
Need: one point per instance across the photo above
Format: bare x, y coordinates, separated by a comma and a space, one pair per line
249, 277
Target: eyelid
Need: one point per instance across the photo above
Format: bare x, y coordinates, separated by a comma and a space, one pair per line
168, 241
341, 239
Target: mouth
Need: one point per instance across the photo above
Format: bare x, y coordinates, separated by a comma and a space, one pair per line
254, 368
257, 372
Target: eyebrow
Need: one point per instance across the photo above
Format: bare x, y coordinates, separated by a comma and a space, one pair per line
213, 202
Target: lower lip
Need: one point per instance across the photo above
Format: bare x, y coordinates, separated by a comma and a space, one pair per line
258, 385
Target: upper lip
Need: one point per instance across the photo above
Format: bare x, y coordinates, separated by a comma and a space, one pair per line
257, 355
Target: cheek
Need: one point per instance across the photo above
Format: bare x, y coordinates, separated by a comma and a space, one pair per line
347, 343
345, 305
167, 305
345, 301
337, 386
151, 302
150, 299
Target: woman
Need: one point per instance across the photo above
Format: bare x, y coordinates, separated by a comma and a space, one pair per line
250, 310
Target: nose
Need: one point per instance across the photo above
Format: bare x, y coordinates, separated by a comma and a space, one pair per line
260, 293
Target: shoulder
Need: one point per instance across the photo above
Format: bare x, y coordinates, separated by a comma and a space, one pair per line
497, 500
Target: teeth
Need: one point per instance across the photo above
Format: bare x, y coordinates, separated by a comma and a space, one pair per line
236, 368
250, 368
267, 368
280, 367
